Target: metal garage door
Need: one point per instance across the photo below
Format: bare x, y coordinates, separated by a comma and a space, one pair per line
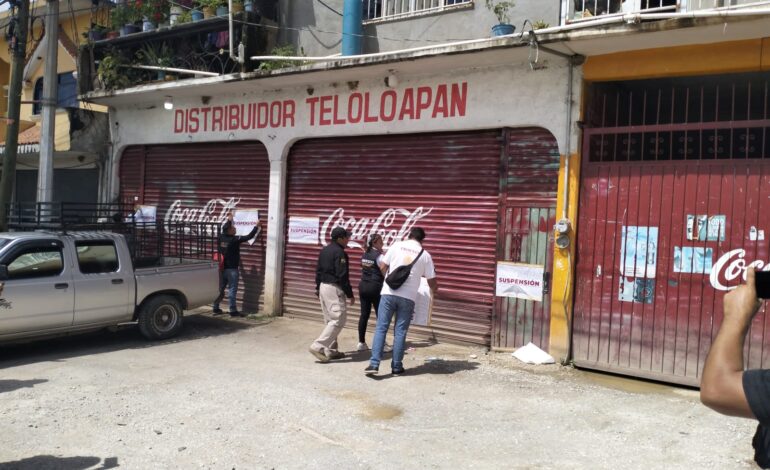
202, 182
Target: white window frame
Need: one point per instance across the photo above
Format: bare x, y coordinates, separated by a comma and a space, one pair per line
391, 10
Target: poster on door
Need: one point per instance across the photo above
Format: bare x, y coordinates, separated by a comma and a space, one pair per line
303, 230
244, 221
639, 251
145, 216
523, 281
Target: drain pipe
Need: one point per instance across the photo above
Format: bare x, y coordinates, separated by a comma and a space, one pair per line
239, 56
352, 27
568, 138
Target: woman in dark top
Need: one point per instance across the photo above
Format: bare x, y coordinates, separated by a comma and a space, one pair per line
370, 286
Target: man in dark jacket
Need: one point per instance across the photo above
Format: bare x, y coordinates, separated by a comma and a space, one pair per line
230, 250
332, 286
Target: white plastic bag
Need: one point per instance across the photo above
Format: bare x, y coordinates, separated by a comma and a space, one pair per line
531, 354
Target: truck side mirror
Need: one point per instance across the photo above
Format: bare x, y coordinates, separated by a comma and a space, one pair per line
3, 272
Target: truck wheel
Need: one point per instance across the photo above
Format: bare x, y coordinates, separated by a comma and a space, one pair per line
160, 317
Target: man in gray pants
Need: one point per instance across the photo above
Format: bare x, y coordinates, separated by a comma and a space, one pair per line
332, 286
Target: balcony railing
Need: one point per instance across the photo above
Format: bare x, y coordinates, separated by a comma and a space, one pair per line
587, 10
183, 51
375, 10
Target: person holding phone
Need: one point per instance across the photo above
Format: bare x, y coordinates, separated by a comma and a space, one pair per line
725, 386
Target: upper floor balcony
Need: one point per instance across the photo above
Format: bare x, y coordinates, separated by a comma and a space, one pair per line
573, 11
131, 44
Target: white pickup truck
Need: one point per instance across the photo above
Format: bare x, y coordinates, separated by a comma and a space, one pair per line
57, 283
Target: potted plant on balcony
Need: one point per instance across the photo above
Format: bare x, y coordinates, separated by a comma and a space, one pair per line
153, 12
111, 72
124, 18
185, 17
95, 33
209, 7
238, 6
500, 9
177, 9
222, 9
156, 54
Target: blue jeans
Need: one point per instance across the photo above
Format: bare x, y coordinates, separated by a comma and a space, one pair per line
228, 279
403, 309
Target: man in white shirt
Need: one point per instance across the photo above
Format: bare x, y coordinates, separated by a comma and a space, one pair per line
400, 302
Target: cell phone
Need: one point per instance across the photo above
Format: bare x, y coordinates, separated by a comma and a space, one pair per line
762, 282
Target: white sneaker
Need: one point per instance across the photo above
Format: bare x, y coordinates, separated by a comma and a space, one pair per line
387, 348
362, 347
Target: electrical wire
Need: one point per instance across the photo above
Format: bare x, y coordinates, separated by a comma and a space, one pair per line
322, 3
74, 22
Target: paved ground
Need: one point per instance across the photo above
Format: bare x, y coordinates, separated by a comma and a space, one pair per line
246, 394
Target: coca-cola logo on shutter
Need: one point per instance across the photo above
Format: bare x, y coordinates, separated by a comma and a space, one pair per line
392, 224
214, 211
730, 267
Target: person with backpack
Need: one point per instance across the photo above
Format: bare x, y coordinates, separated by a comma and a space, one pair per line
370, 286
403, 266
229, 249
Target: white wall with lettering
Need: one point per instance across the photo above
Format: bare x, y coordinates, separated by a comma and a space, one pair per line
493, 97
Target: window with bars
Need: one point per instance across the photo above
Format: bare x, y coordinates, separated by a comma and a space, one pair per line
397, 9
587, 9
693, 118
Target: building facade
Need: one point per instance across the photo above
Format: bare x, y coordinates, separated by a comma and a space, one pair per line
602, 149
81, 132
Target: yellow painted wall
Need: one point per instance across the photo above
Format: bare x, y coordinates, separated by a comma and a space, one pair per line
728, 57
564, 266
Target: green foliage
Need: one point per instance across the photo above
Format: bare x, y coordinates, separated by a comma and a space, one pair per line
111, 71
154, 10
184, 17
123, 14
213, 4
158, 53
540, 24
97, 28
287, 51
500, 9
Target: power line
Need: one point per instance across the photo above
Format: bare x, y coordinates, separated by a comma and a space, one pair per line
330, 8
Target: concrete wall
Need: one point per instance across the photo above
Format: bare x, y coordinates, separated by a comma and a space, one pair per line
321, 27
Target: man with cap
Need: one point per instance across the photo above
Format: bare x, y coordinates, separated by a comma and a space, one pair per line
332, 285
229, 247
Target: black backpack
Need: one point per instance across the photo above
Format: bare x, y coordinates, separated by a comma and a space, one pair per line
398, 276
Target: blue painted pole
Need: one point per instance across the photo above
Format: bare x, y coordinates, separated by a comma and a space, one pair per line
352, 27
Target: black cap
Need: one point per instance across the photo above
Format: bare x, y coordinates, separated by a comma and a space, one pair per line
340, 232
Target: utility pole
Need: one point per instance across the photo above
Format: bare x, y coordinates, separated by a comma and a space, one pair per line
50, 93
18, 56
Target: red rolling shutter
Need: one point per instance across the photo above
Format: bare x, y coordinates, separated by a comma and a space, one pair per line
209, 177
447, 183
